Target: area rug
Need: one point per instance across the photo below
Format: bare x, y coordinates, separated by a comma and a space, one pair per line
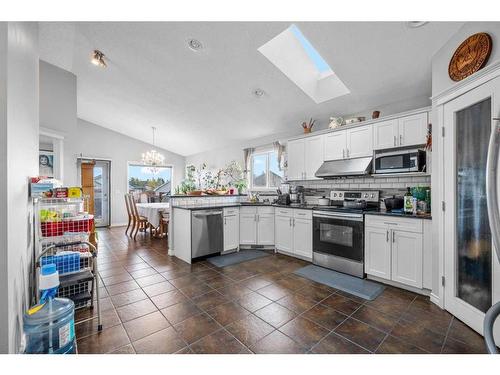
359, 287
238, 257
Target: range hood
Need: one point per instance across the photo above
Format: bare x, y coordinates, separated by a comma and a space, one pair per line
345, 167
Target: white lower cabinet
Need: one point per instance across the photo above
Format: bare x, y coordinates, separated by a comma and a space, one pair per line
378, 252
294, 232
231, 229
407, 258
394, 249
257, 226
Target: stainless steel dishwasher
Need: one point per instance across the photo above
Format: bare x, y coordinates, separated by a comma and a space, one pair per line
207, 232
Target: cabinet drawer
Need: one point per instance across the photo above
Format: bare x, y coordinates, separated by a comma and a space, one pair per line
265, 210
246, 210
288, 212
302, 214
231, 211
399, 223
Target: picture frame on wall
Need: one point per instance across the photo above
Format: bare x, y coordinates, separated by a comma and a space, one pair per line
46, 163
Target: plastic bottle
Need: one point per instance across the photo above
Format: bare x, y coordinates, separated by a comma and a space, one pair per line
49, 327
408, 202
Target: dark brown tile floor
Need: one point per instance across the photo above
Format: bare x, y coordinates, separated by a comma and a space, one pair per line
153, 303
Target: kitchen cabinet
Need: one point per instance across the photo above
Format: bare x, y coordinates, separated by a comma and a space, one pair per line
394, 249
400, 132
248, 226
378, 252
231, 229
305, 156
350, 143
335, 144
257, 226
412, 129
296, 159
359, 142
407, 258
294, 232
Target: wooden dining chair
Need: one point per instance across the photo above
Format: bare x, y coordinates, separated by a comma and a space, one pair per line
164, 221
139, 222
129, 212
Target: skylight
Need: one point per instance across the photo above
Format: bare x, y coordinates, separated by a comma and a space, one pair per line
314, 55
296, 57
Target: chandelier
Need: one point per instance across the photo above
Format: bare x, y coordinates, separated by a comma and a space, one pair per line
152, 159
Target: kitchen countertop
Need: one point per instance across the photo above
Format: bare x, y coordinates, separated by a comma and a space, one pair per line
398, 213
244, 204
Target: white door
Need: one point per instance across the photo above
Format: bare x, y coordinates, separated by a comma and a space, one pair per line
471, 269
335, 145
412, 129
359, 142
407, 258
231, 232
378, 252
296, 159
385, 134
248, 226
265, 229
302, 237
283, 233
313, 156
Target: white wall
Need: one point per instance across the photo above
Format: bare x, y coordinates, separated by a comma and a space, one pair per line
440, 61
97, 142
58, 112
58, 108
18, 161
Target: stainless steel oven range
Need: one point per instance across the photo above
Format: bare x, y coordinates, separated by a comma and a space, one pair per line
339, 229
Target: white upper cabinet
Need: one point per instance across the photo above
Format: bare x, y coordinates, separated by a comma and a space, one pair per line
296, 159
412, 129
305, 156
385, 134
313, 156
400, 132
359, 142
335, 144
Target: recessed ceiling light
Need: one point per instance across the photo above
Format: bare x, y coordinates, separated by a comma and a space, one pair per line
416, 24
258, 93
195, 44
98, 59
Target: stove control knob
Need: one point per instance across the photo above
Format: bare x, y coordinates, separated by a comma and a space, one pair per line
366, 195
334, 194
340, 195
372, 196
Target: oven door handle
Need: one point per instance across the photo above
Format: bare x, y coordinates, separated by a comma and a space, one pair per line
340, 216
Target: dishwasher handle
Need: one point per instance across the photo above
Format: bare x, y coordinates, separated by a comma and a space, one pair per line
207, 213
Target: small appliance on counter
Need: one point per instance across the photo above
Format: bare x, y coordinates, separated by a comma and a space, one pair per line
393, 203
284, 194
323, 201
400, 161
297, 194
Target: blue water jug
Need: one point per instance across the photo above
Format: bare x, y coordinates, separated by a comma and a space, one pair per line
49, 327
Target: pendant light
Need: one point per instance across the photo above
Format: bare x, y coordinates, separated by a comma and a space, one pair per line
153, 159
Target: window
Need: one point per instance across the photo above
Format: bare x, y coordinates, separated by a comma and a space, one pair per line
149, 184
265, 172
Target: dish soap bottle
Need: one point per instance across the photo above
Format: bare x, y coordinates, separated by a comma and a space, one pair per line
408, 202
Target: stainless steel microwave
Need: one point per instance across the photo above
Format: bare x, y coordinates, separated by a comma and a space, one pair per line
400, 161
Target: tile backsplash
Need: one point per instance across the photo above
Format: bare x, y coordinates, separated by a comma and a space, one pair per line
386, 185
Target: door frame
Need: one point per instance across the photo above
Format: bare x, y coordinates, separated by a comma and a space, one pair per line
79, 177
464, 311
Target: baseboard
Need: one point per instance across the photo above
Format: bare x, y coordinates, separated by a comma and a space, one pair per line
118, 225
423, 292
435, 299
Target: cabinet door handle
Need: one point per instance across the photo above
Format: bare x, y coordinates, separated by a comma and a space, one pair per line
387, 236
225, 221
401, 139
395, 141
293, 221
393, 236
347, 152
290, 222
343, 153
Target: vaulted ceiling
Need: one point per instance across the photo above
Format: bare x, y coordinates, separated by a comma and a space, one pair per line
201, 100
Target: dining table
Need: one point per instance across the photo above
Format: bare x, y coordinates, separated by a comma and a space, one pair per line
153, 211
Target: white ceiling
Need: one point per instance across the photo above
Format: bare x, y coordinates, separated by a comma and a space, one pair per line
203, 100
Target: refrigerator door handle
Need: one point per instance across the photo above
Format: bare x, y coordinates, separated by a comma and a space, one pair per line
494, 219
